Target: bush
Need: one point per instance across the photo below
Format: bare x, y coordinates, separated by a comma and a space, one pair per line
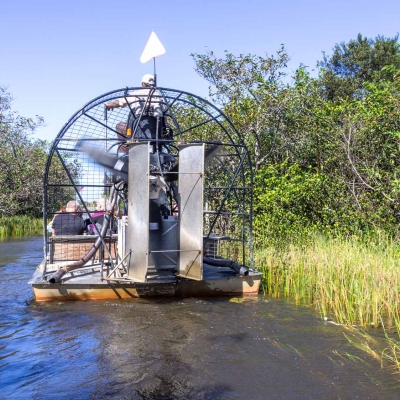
291, 203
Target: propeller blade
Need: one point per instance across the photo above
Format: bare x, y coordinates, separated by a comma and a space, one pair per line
119, 166
211, 152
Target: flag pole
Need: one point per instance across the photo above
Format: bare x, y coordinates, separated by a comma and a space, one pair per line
153, 49
155, 74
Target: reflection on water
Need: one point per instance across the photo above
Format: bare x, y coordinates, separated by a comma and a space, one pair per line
191, 348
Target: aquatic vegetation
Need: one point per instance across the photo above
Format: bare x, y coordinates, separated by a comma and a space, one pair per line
351, 281
391, 353
20, 225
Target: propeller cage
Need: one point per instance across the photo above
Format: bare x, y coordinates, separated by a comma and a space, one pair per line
203, 183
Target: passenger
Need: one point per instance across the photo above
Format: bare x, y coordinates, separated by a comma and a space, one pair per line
98, 219
63, 209
146, 103
68, 223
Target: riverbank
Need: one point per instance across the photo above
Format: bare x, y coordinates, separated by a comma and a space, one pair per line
350, 281
20, 225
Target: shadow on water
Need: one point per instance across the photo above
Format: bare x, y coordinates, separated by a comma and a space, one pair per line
194, 348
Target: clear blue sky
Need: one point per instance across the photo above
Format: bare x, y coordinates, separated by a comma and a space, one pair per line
56, 55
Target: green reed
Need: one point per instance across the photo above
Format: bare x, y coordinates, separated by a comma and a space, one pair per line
20, 225
354, 282
351, 281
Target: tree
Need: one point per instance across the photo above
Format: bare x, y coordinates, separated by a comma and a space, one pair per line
22, 165
248, 87
361, 60
338, 158
21, 161
235, 77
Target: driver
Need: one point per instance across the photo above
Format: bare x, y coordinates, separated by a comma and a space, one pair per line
147, 106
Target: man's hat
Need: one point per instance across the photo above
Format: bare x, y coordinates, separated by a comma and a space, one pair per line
148, 78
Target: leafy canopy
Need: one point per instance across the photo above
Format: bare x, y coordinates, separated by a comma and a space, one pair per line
361, 60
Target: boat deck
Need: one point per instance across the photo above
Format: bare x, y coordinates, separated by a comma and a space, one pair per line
87, 283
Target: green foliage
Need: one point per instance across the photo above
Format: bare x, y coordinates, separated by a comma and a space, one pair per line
251, 90
322, 165
351, 281
20, 225
22, 165
292, 203
344, 73
22, 162
237, 76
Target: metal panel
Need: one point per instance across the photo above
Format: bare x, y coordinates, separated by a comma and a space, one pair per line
191, 173
169, 242
137, 238
122, 226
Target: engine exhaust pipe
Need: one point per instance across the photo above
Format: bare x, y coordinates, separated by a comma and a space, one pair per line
57, 276
240, 269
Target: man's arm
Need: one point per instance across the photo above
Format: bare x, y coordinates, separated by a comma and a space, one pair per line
130, 98
114, 104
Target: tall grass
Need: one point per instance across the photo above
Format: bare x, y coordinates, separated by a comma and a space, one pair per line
351, 281
20, 225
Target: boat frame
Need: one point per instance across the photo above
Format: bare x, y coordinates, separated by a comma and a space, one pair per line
217, 224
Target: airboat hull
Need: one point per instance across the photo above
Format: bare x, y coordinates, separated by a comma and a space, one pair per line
88, 286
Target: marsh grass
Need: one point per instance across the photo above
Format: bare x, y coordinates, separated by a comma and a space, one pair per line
351, 281
20, 226
391, 353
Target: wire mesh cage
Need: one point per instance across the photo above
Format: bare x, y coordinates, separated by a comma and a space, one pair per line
73, 174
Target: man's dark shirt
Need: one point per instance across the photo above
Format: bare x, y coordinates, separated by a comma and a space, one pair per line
68, 224
98, 220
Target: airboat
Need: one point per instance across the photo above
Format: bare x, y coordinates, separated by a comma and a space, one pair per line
175, 177
182, 199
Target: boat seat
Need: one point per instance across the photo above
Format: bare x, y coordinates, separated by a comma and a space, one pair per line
74, 247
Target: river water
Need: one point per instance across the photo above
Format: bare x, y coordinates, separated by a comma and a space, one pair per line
193, 348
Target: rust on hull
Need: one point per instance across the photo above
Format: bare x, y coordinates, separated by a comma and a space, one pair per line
182, 288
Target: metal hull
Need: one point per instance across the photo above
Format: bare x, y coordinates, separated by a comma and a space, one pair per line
88, 286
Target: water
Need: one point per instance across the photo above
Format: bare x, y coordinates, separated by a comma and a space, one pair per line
171, 349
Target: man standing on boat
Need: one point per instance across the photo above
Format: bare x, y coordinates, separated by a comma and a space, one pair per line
69, 223
147, 105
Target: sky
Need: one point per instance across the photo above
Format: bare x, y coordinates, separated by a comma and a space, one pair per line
57, 55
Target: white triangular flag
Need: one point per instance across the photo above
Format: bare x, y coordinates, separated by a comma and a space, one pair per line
153, 48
